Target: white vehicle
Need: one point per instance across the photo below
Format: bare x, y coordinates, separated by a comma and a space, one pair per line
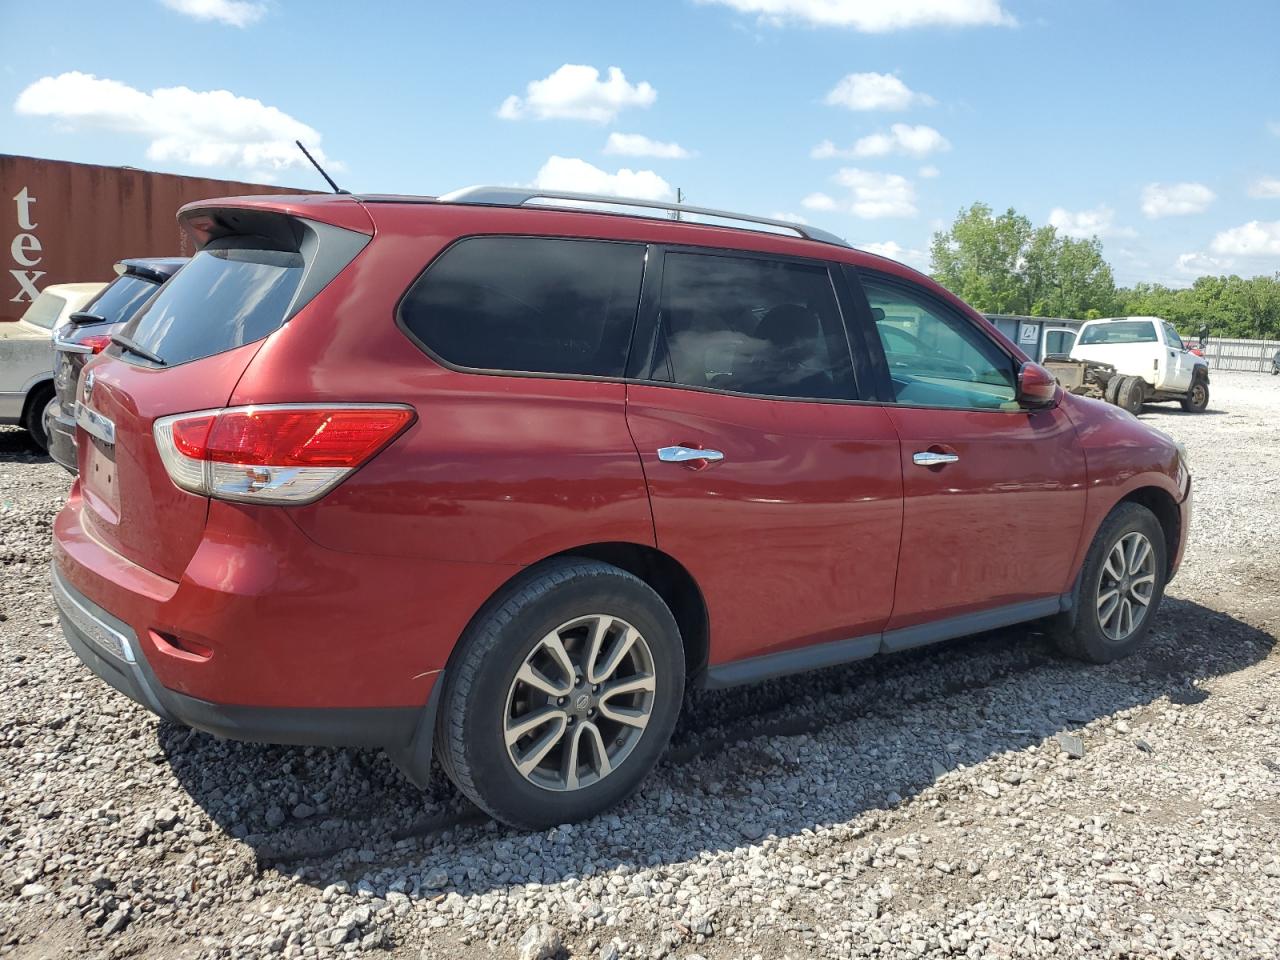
1149, 362
26, 355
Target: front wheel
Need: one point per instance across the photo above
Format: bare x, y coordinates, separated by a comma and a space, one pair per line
1121, 585
1197, 398
562, 694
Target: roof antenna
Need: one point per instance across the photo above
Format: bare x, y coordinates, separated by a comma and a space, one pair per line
328, 179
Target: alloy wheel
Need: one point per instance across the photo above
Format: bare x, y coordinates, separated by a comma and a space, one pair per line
579, 703
1126, 586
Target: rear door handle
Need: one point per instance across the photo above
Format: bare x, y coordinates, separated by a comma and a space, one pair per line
688, 455
929, 458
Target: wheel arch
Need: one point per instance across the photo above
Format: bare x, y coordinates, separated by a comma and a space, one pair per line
1161, 503
42, 389
670, 580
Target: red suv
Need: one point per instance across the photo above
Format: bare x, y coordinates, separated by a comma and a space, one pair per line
501, 479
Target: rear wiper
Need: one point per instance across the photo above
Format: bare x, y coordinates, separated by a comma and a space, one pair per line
81, 316
121, 340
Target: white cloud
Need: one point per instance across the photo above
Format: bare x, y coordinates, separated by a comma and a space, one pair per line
896, 251
1175, 199
576, 92
874, 91
210, 128
917, 141
638, 145
819, 201
234, 13
877, 195
1268, 188
1082, 224
929, 172
789, 217
1274, 127
1253, 239
573, 174
876, 16
1200, 265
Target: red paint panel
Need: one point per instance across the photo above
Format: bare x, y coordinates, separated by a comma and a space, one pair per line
793, 537
999, 526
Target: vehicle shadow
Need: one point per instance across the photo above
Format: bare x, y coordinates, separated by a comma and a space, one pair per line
16, 446
856, 739
1173, 410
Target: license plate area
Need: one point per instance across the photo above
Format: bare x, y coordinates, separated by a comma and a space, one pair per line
98, 475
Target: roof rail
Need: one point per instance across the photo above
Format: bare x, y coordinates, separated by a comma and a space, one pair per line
519, 196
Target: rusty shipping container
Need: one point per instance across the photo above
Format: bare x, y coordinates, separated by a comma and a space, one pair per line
69, 222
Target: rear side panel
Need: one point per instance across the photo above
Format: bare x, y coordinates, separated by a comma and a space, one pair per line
501, 469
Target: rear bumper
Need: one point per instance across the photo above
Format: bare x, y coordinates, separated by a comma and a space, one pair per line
109, 647
62, 437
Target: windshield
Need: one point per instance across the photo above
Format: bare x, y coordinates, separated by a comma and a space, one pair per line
121, 300
44, 310
221, 300
1119, 331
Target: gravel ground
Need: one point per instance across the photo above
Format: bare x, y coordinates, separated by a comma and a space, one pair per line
985, 798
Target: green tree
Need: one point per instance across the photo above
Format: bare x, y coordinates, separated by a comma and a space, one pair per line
1228, 306
1001, 264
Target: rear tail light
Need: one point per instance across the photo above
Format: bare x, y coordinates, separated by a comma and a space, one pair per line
278, 454
97, 343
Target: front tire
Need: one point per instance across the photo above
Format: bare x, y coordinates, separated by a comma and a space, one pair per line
562, 694
1121, 586
1197, 398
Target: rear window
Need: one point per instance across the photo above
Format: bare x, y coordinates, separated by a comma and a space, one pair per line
44, 310
1119, 331
221, 300
121, 300
529, 305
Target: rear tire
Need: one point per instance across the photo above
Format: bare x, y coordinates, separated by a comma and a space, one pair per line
528, 656
1096, 631
1197, 398
33, 415
1132, 394
1112, 387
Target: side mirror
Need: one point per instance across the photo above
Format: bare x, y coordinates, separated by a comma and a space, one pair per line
1037, 387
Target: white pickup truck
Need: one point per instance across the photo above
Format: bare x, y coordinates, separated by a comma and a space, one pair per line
1130, 361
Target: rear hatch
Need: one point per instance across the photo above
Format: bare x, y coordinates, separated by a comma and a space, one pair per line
185, 350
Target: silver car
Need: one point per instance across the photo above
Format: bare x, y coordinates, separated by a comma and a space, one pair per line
26, 355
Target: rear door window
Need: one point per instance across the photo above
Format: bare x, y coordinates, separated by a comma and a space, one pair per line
222, 299
752, 325
529, 305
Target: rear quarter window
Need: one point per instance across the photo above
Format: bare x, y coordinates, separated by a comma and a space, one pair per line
528, 305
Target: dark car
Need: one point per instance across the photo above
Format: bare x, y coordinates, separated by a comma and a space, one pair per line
88, 332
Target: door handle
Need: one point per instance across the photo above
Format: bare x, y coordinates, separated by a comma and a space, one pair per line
689, 455
928, 458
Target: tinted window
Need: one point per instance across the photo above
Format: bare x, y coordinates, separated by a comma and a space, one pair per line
222, 299
44, 310
753, 326
1119, 331
1058, 342
529, 304
936, 357
122, 298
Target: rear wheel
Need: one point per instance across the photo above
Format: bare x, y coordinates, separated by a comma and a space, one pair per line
33, 414
1131, 394
562, 694
1112, 387
1121, 585
1197, 398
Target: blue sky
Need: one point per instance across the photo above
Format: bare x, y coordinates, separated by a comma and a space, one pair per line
1153, 123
